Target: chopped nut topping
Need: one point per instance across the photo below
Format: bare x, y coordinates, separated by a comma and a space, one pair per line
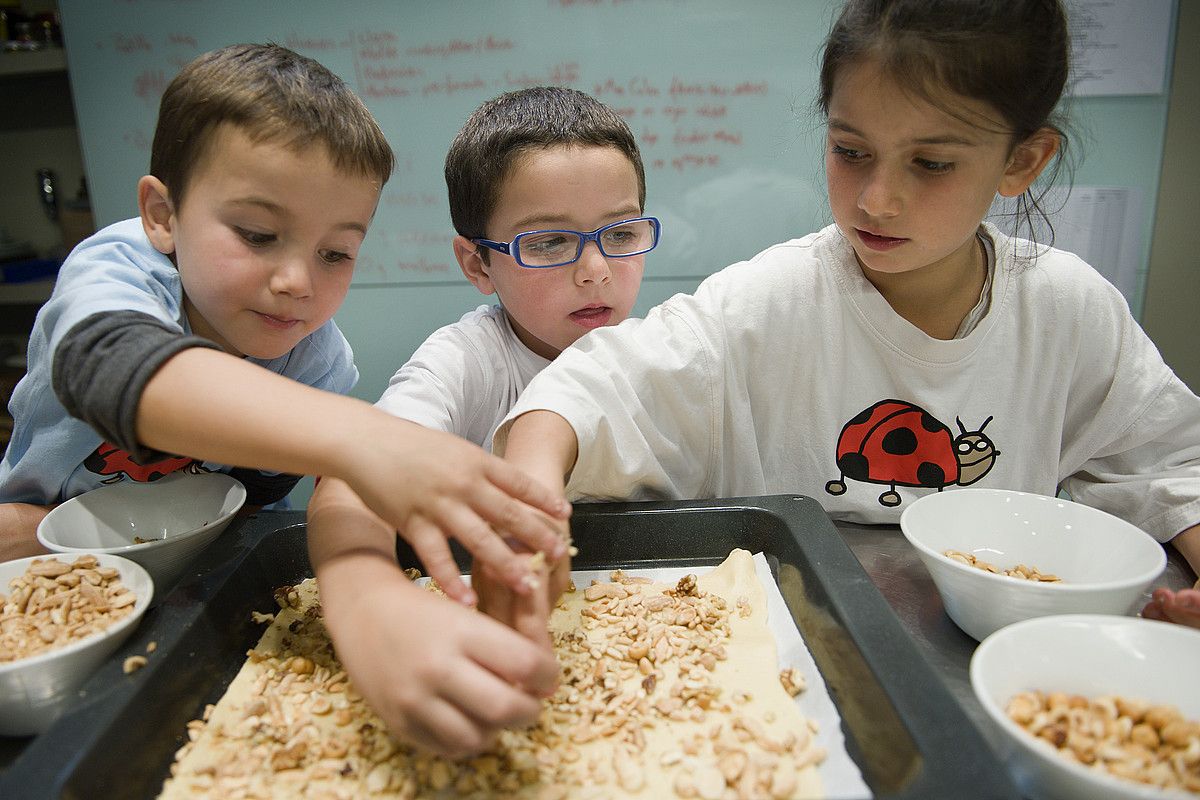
637, 658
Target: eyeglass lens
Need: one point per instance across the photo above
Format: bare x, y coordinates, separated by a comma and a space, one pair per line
551, 248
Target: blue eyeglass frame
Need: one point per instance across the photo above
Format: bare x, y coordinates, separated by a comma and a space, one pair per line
513, 248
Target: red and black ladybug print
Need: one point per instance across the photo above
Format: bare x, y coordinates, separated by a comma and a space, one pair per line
900, 444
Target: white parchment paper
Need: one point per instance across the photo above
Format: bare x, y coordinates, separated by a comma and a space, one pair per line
840, 776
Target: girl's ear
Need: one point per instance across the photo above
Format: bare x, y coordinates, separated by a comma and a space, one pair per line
1028, 160
470, 260
158, 214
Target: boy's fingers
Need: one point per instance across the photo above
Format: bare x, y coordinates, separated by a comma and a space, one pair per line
490, 700
495, 599
485, 545
531, 615
431, 547
516, 483
510, 516
445, 730
515, 660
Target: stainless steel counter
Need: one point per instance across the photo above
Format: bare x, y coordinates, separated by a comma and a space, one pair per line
893, 566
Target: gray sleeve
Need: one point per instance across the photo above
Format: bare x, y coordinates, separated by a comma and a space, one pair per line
102, 366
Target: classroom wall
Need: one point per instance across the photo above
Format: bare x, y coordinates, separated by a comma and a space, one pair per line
1174, 276
732, 150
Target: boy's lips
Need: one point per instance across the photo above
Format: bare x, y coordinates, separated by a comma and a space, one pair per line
592, 316
279, 323
878, 242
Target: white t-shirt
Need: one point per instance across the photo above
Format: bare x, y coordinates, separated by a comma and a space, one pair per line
786, 373
465, 377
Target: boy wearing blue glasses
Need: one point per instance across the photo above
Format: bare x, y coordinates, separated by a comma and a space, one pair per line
547, 191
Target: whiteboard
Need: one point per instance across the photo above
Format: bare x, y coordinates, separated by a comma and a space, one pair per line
719, 95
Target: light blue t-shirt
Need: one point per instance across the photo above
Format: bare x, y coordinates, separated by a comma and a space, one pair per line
53, 456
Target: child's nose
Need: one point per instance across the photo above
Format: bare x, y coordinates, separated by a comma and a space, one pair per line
881, 194
291, 277
592, 266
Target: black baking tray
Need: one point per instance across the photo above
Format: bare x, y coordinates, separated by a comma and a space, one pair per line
902, 727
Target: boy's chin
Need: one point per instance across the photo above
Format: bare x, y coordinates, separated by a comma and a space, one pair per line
264, 351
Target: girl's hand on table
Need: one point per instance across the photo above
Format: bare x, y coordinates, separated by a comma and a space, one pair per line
1182, 607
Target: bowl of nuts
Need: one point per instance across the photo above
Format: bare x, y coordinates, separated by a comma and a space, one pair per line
1095, 706
60, 617
162, 525
998, 557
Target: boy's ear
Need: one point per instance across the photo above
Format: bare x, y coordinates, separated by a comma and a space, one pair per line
1028, 160
471, 262
158, 213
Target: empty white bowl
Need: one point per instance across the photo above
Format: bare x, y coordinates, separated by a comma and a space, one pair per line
1104, 562
1089, 655
35, 690
177, 516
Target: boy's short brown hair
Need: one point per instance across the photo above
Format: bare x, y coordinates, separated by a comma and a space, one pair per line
271, 94
514, 123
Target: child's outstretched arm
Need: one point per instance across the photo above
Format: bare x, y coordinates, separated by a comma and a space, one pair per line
441, 676
431, 485
544, 446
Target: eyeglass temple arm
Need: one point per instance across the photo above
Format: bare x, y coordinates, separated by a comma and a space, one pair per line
500, 247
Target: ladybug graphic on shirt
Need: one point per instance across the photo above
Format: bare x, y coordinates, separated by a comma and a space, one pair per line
108, 459
899, 444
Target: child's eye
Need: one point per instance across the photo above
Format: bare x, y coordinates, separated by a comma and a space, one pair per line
848, 154
546, 244
334, 256
619, 236
935, 166
255, 238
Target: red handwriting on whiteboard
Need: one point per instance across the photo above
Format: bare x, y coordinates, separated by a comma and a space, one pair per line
564, 74
391, 73
449, 85
150, 85
456, 47
136, 139
296, 42
136, 43
686, 161
680, 88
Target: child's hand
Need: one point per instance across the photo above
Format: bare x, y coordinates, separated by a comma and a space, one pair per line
528, 614
442, 677
1182, 607
433, 486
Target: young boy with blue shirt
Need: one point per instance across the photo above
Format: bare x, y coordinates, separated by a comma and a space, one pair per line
547, 192
204, 327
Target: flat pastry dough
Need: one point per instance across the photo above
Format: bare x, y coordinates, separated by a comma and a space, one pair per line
666, 691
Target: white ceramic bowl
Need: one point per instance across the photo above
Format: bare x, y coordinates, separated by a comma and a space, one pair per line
177, 516
35, 690
1089, 655
1105, 563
